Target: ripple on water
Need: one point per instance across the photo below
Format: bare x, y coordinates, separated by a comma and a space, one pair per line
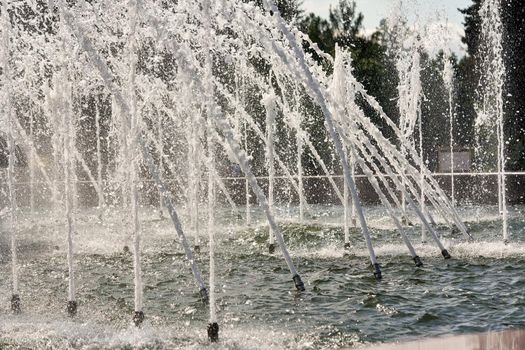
481, 288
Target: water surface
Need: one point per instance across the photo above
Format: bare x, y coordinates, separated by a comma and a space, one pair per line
481, 288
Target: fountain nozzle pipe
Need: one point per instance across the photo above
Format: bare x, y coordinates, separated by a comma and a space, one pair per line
204, 295
271, 248
138, 318
213, 332
71, 308
299, 283
377, 272
417, 261
445, 254
15, 304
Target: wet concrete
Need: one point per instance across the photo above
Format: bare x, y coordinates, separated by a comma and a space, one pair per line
508, 340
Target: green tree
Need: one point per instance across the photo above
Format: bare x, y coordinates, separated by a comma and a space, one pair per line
290, 10
346, 23
513, 17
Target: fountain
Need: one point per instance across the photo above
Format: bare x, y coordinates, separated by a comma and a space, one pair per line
139, 108
490, 113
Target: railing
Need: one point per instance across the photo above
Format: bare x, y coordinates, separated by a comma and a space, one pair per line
470, 188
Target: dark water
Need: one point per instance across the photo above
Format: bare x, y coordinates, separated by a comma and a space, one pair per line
481, 288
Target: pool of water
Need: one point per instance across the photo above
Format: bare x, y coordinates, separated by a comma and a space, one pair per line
481, 288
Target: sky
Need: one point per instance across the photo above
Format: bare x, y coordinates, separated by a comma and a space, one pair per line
375, 10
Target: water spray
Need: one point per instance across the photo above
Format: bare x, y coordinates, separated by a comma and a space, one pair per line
15, 298
68, 144
109, 82
246, 182
210, 108
448, 79
138, 315
99, 160
492, 114
270, 107
234, 149
341, 87
332, 129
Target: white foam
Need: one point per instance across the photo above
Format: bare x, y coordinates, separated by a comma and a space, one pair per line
485, 249
38, 332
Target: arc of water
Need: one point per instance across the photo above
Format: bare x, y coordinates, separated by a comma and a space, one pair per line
315, 88
349, 207
68, 168
302, 198
99, 156
195, 175
299, 150
409, 105
434, 191
28, 141
246, 182
240, 126
282, 55
342, 92
422, 174
191, 158
113, 141
226, 193
31, 164
269, 104
303, 135
92, 179
293, 124
245, 132
346, 213
441, 197
211, 228
352, 204
303, 139
20, 131
491, 31
153, 141
108, 80
15, 299
170, 166
232, 146
135, 126
6, 29
368, 149
160, 132
405, 179
235, 150
369, 174
261, 136
209, 105
448, 79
